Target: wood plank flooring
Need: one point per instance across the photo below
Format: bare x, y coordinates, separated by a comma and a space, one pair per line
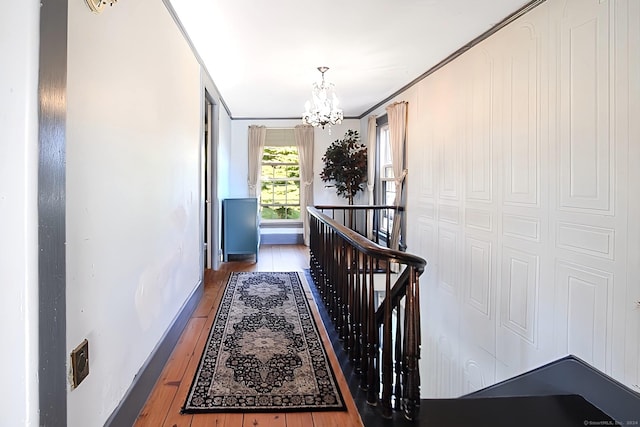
162, 409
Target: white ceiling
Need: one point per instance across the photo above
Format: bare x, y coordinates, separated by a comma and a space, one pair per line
263, 55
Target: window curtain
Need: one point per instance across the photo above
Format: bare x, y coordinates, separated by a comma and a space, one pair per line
371, 169
371, 156
397, 115
304, 142
257, 135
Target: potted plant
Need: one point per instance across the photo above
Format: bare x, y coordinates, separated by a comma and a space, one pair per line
345, 164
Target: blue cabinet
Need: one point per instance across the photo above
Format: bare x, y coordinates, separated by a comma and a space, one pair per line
240, 232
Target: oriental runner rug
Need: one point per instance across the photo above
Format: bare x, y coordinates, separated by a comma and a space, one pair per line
264, 351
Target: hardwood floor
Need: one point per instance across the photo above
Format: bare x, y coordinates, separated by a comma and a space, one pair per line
162, 409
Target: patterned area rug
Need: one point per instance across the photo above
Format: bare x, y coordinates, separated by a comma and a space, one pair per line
264, 352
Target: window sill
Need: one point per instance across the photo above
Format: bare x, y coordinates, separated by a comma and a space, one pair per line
280, 223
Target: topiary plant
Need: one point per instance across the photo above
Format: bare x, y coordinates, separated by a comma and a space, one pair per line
345, 164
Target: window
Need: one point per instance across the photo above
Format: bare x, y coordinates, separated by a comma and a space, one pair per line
280, 183
387, 187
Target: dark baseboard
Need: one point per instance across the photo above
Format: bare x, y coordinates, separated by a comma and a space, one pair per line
135, 398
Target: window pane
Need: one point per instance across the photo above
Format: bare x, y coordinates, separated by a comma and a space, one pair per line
270, 154
294, 212
389, 192
280, 187
280, 191
280, 171
293, 171
293, 192
266, 195
269, 213
385, 145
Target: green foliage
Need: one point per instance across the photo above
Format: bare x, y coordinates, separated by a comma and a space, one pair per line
280, 184
345, 164
281, 212
280, 155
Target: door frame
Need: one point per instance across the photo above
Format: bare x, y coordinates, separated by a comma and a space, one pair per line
209, 225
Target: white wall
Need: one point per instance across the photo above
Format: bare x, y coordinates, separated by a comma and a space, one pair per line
224, 155
523, 197
322, 139
18, 210
133, 192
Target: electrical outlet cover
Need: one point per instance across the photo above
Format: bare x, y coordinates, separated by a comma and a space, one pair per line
80, 363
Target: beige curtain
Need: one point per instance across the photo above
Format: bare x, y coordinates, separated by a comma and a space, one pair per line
371, 156
371, 169
304, 142
257, 135
397, 114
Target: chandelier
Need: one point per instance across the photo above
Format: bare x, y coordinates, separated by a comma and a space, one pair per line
323, 109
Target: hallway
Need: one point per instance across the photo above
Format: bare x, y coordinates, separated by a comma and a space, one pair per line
163, 406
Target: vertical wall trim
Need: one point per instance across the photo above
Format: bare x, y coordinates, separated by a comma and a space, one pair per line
52, 107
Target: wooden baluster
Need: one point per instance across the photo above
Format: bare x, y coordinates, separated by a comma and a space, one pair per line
337, 271
348, 288
313, 236
340, 285
315, 254
330, 280
346, 285
342, 291
335, 280
351, 306
320, 267
387, 347
373, 374
397, 389
346, 296
355, 318
321, 257
330, 268
329, 264
411, 399
322, 254
318, 249
364, 322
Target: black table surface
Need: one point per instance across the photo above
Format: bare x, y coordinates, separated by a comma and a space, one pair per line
555, 410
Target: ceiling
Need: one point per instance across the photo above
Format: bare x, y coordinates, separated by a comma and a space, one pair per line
263, 55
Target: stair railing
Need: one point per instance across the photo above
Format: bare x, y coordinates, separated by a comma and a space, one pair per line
372, 296
372, 221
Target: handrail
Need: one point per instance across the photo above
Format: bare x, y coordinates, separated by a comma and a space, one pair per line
382, 339
365, 245
356, 207
372, 220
